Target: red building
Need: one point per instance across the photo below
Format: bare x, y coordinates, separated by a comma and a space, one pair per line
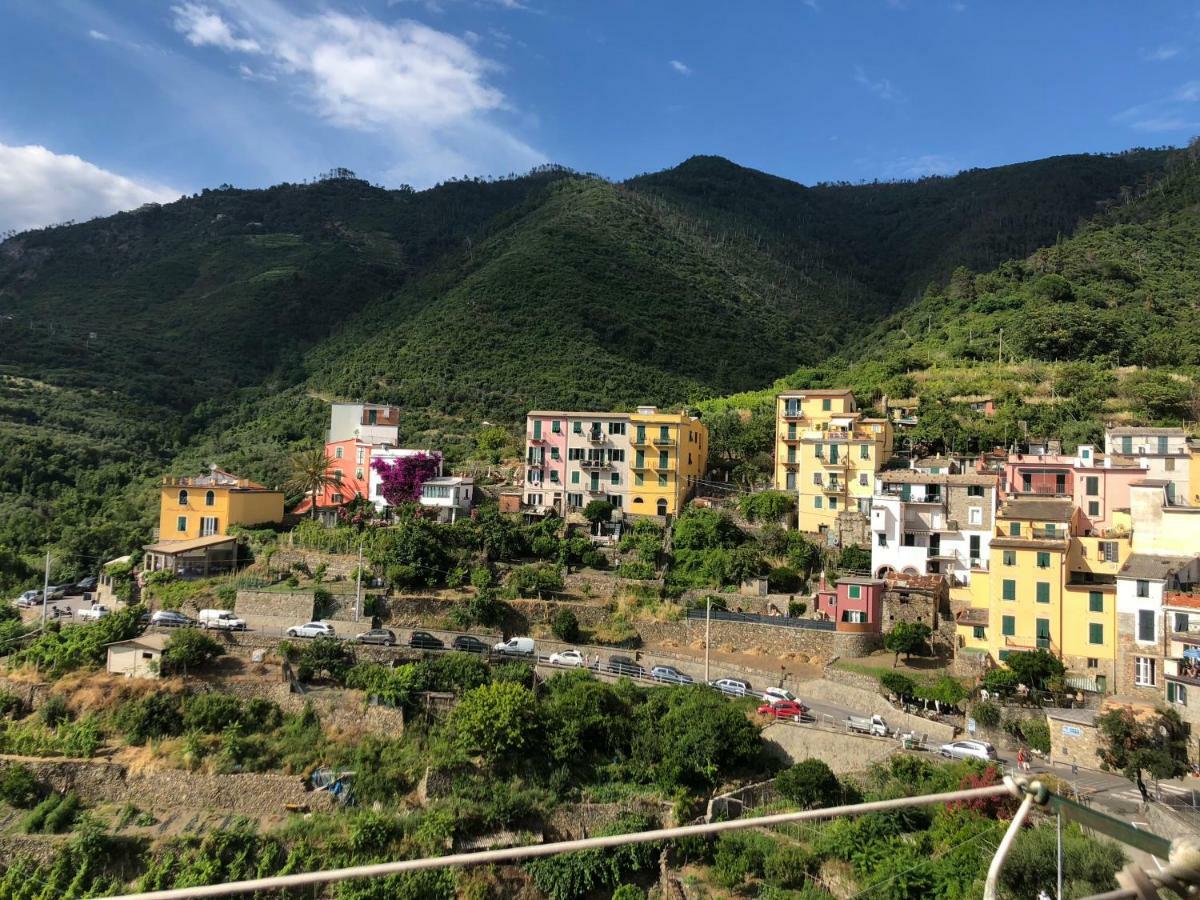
351, 460
855, 604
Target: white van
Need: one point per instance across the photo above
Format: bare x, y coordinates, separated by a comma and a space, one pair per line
221, 619
521, 646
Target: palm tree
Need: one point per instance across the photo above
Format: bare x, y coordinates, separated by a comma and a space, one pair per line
311, 472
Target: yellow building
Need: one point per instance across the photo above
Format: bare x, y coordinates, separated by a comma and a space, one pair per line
828, 453
206, 505
670, 455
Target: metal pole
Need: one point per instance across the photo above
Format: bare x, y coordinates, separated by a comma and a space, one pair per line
1059, 818
707, 620
358, 585
45, 588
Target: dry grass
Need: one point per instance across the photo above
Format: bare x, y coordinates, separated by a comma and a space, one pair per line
87, 692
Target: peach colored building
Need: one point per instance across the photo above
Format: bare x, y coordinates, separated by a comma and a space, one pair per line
1097, 484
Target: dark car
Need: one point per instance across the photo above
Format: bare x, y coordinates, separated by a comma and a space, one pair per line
468, 644
623, 665
168, 618
85, 585
423, 640
382, 636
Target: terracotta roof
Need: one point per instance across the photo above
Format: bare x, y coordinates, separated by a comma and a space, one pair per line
1154, 568
915, 582
973, 617
908, 476
1183, 601
1038, 509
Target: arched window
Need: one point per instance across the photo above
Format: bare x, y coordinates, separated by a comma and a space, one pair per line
662, 507
183, 498
210, 499
637, 499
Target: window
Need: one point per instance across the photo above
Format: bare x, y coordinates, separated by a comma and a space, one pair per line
1091, 486
616, 500
1014, 529
1093, 508
790, 481
816, 502
855, 592
973, 545
978, 633
1010, 557
1051, 529
663, 459
641, 434
1008, 589
574, 478
616, 478
575, 453
819, 451
664, 433
1176, 693
1043, 592
662, 480
974, 490
862, 479
1042, 634
791, 432
362, 456
336, 498
379, 489
826, 405
181, 523
616, 456
210, 497
1169, 464
556, 427
1043, 560
337, 452
791, 457
1060, 483
1145, 626
1162, 445
909, 540
183, 498
577, 427
554, 475
882, 539
616, 427
818, 478
638, 479
833, 502
1181, 622
1143, 588
1144, 671
1108, 551
864, 452
1095, 633
1093, 662
1026, 482
358, 473
1095, 601
554, 453
1008, 625
975, 516
537, 429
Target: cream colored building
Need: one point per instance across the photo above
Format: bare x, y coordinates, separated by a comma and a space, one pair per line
138, 657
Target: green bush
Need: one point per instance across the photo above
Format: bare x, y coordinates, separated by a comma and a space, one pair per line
62, 817
54, 711
1037, 734
211, 711
153, 716
35, 822
810, 783
897, 683
566, 626
784, 580
797, 608
635, 569
19, 787
986, 713
10, 704
189, 649
322, 602
767, 506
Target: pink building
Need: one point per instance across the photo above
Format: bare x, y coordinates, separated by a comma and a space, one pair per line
855, 604
545, 460
1097, 484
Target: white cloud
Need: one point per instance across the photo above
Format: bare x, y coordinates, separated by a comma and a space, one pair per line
98, 35
812, 4
920, 166
681, 68
1178, 111
201, 26
39, 187
428, 93
883, 88
1160, 54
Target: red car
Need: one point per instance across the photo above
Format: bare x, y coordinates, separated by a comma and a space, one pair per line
784, 709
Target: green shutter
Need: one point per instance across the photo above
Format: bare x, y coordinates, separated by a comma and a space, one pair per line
1014, 529
1095, 601
1010, 557
855, 592
1043, 560
978, 633
1008, 589
1008, 625
1043, 592
1095, 633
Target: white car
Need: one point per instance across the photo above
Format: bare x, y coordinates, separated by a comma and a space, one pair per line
93, 613
771, 694
567, 658
311, 630
30, 598
733, 687
969, 750
220, 619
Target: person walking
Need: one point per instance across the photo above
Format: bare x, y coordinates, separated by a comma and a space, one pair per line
1021, 763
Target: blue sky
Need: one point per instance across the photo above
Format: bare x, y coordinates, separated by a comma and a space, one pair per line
105, 104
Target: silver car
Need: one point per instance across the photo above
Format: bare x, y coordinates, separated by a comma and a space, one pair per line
981, 750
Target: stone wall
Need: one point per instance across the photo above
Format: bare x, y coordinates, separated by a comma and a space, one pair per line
41, 848
773, 640
838, 692
842, 752
1127, 652
335, 563
415, 611
344, 710
574, 821
294, 606
852, 527
31, 693
1067, 746
98, 781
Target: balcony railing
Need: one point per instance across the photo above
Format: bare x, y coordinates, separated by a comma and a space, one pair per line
664, 442
791, 438
596, 437
1045, 534
833, 487
1029, 642
794, 415
594, 464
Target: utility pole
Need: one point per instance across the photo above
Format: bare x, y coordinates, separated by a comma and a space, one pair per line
358, 585
1059, 895
1000, 355
707, 622
45, 589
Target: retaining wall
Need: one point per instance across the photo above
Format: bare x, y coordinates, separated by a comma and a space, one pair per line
871, 701
335, 563
773, 640
295, 606
842, 752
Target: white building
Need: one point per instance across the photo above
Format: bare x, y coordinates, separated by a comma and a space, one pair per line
389, 455
451, 496
371, 423
932, 524
1163, 452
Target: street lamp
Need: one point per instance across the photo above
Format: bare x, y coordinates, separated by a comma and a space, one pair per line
707, 622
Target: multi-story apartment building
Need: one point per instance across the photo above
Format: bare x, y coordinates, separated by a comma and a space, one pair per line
644, 463
829, 454
1165, 453
206, 505
371, 423
933, 524
1098, 484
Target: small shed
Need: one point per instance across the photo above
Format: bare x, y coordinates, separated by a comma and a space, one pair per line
138, 657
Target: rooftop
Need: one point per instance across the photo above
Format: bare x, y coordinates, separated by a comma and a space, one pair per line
449, 480
170, 548
1147, 430
214, 478
973, 617
860, 579
1181, 600
1038, 509
149, 641
1078, 716
915, 582
1155, 568
908, 476
819, 392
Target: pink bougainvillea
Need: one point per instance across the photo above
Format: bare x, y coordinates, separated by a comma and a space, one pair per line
402, 478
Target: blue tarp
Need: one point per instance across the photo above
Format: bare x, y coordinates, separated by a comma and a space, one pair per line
1191, 652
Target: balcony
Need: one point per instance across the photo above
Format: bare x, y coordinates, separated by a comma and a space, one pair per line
791, 462
833, 487
1185, 670
792, 415
639, 440
828, 463
1025, 643
664, 442
594, 489
1044, 534
791, 438
595, 437
594, 464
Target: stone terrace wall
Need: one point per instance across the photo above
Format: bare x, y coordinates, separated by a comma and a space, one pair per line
414, 610
841, 751
97, 781
335, 564
296, 607
579, 820
770, 639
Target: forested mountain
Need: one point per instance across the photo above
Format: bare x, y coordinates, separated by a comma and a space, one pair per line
217, 327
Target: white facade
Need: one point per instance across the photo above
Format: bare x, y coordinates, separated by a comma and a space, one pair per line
1163, 452
451, 496
371, 423
389, 455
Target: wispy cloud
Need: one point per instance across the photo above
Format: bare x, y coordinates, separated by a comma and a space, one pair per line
958, 7
1159, 54
428, 93
1178, 111
681, 68
812, 4
40, 187
99, 36
921, 166
881, 88
438, 6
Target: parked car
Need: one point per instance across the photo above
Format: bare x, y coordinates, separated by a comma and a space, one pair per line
30, 598
518, 646
784, 709
969, 750
385, 637
221, 619
423, 640
469, 644
567, 658
868, 725
670, 674
168, 618
734, 687
56, 592
771, 694
85, 585
312, 630
93, 613
623, 665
